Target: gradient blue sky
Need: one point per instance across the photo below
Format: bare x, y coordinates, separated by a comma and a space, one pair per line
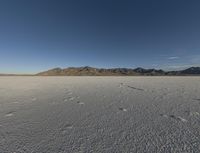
36, 35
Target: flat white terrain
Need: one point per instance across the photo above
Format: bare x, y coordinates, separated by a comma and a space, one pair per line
99, 114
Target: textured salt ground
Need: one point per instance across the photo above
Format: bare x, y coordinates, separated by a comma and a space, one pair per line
99, 114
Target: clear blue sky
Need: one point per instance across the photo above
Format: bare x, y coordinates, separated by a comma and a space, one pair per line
36, 35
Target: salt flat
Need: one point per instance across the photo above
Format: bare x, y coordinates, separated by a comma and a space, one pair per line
99, 114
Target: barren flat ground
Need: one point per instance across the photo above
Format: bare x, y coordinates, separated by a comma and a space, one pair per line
99, 114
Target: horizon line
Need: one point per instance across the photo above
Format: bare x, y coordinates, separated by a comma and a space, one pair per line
34, 73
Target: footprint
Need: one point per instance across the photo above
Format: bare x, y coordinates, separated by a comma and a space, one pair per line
64, 131
164, 115
178, 118
174, 117
9, 114
69, 93
15, 102
122, 109
136, 88
80, 103
181, 119
121, 85
66, 128
34, 99
194, 113
65, 100
71, 98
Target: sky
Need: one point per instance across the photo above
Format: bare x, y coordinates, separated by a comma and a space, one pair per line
37, 35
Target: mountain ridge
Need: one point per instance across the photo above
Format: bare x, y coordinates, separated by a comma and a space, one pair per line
92, 71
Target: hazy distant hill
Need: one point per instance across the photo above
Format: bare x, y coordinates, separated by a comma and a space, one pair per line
90, 71
192, 70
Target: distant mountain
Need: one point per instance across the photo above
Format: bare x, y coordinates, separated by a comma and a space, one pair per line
87, 71
90, 71
192, 70
149, 71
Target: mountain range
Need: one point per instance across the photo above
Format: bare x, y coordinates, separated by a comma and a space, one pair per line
91, 71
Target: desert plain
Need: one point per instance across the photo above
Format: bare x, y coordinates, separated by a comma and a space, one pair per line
99, 114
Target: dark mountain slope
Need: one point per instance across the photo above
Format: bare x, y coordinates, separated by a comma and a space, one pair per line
90, 71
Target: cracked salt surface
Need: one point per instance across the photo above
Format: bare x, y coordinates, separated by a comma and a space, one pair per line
102, 114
